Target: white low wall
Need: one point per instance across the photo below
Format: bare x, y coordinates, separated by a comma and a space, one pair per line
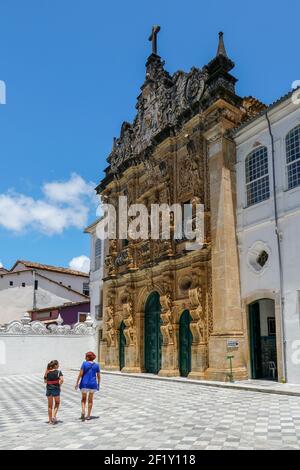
26, 349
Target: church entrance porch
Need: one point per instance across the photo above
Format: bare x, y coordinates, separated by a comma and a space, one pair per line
262, 335
153, 336
185, 344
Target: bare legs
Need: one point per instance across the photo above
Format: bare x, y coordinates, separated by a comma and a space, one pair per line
52, 414
90, 405
87, 398
56, 407
50, 408
83, 404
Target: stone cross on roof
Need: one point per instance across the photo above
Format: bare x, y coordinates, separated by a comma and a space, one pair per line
153, 38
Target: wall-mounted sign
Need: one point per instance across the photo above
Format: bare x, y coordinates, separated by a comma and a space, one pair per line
232, 343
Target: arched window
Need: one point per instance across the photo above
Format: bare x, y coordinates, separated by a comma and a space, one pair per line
292, 143
98, 247
257, 176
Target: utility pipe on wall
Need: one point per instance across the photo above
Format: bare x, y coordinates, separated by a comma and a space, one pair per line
281, 281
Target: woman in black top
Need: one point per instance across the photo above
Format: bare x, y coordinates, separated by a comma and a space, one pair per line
54, 379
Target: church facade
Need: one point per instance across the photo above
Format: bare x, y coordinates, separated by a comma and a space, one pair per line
168, 310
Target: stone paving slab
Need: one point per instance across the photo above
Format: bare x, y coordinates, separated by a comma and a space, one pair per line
263, 386
136, 413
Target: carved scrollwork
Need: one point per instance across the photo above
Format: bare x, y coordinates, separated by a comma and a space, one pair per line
110, 324
194, 85
162, 101
197, 324
122, 258
166, 317
37, 328
130, 329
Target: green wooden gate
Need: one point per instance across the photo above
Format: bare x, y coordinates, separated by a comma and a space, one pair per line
185, 344
153, 336
122, 344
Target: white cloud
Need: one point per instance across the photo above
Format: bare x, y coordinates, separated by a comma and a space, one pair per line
64, 205
1, 265
80, 263
69, 192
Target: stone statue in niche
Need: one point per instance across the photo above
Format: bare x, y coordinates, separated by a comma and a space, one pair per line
110, 328
129, 332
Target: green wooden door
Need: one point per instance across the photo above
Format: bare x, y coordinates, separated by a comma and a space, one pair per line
185, 344
255, 341
122, 343
153, 336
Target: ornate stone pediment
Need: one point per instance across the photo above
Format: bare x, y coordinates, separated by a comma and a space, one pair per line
162, 101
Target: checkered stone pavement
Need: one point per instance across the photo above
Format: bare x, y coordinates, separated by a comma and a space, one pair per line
137, 413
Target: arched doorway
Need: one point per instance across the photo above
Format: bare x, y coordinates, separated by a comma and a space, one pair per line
262, 335
153, 336
122, 344
185, 344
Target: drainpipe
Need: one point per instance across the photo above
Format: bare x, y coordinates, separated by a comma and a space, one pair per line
34, 292
278, 238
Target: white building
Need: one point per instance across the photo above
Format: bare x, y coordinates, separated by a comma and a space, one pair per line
268, 230
97, 255
29, 286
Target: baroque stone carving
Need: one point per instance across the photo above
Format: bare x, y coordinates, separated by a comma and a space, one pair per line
166, 317
129, 331
194, 85
162, 100
36, 328
110, 325
197, 324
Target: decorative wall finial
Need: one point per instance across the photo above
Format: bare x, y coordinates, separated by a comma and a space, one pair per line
153, 38
221, 47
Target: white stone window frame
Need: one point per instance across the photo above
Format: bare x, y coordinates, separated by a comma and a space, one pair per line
250, 154
291, 163
97, 255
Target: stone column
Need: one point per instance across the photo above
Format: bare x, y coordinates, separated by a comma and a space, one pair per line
131, 348
227, 314
102, 353
112, 358
111, 350
197, 327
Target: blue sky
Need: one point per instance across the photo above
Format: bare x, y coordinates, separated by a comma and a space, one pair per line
73, 69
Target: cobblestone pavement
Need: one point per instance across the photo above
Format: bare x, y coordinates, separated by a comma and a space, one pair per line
135, 413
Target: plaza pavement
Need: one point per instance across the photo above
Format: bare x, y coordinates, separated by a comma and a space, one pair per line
138, 413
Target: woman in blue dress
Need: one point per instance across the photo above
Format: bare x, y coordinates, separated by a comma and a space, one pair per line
88, 382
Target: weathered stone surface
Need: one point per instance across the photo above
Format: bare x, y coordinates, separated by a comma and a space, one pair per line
178, 149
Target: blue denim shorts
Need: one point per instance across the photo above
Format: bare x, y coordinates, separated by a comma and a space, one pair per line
53, 393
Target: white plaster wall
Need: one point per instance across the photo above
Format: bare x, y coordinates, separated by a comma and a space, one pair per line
16, 300
96, 276
256, 223
30, 354
76, 282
